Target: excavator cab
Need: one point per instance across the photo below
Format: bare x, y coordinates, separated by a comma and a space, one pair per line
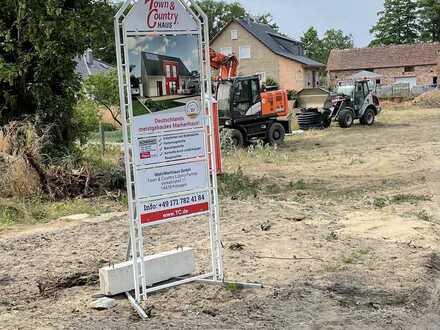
239, 99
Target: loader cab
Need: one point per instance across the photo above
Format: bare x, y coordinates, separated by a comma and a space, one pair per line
361, 91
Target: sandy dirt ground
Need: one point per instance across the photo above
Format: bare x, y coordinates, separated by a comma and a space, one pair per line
352, 234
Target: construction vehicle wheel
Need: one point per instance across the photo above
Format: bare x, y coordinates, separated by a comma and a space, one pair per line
237, 138
368, 117
346, 119
276, 134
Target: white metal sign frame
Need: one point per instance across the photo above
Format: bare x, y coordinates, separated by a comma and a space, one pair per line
136, 245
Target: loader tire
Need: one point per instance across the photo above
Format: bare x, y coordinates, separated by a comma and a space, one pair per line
237, 138
309, 120
346, 119
368, 117
276, 134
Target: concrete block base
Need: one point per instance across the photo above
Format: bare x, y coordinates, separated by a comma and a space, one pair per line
118, 278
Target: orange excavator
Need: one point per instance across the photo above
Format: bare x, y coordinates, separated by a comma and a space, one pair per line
247, 109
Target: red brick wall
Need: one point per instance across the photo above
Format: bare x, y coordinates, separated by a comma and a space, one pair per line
424, 74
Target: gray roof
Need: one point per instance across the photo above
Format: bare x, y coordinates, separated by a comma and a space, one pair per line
87, 65
365, 75
278, 43
154, 64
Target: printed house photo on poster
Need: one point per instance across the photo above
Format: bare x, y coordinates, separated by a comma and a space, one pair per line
164, 72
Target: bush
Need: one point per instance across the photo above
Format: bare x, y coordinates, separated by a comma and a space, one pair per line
291, 94
85, 119
270, 82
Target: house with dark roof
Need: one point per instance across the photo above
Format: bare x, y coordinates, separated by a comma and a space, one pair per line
163, 75
87, 65
412, 63
264, 52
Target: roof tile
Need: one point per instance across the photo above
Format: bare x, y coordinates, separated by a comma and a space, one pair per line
383, 57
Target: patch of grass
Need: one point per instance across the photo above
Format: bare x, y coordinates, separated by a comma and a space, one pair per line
237, 185
356, 256
425, 216
233, 287
409, 198
19, 212
298, 185
380, 202
332, 236
75, 206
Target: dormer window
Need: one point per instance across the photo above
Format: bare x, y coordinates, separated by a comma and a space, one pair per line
234, 35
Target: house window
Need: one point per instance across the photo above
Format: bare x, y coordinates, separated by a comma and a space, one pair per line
226, 51
174, 71
370, 70
409, 69
234, 35
168, 69
435, 81
245, 52
261, 76
377, 81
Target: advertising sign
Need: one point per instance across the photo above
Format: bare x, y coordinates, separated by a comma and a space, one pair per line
160, 16
166, 114
168, 208
172, 179
169, 148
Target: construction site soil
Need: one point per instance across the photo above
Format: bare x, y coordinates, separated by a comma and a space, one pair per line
342, 227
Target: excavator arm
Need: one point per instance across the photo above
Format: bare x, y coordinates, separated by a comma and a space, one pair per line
226, 65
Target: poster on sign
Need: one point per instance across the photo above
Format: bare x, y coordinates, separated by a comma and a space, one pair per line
164, 71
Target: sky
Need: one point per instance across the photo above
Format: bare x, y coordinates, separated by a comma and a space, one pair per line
294, 17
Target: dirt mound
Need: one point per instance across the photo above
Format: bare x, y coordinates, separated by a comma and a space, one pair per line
429, 99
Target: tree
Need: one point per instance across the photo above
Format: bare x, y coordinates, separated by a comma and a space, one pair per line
221, 13
266, 19
39, 40
319, 49
103, 89
313, 45
398, 23
101, 32
335, 39
430, 20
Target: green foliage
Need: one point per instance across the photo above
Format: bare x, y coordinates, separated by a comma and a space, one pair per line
319, 49
85, 118
425, 216
38, 210
380, 202
298, 185
270, 82
313, 45
398, 23
101, 35
430, 20
409, 198
39, 41
291, 94
103, 89
221, 13
237, 185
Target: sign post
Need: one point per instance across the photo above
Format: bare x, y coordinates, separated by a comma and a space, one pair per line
162, 49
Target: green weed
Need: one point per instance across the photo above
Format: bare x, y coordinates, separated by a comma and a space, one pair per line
425, 216
409, 198
298, 185
380, 202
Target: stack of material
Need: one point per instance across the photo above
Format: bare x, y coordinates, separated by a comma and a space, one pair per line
429, 99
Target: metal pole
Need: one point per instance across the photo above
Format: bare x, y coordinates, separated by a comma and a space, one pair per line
102, 134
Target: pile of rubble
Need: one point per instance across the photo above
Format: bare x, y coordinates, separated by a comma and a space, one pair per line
429, 99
